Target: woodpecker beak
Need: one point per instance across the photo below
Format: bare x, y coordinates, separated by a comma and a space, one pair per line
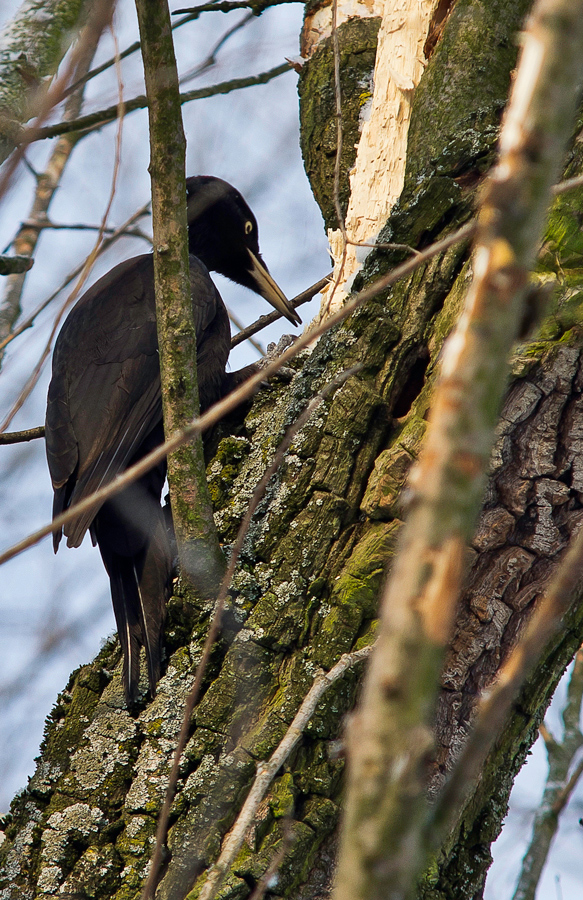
270, 291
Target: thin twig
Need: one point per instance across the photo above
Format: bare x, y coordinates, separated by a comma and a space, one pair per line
226, 6
192, 14
270, 318
236, 321
20, 437
101, 14
382, 246
43, 224
267, 771
221, 409
26, 239
384, 847
211, 58
569, 184
96, 120
192, 699
118, 233
15, 437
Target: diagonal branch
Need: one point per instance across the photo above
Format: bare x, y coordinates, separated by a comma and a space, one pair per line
98, 119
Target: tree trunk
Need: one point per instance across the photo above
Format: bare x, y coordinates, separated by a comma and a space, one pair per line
307, 587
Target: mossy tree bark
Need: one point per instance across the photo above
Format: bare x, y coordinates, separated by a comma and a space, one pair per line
31, 48
308, 584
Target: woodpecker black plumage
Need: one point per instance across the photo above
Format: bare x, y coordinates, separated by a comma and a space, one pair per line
104, 408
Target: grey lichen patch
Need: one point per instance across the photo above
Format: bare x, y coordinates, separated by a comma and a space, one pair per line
134, 847
224, 468
105, 757
310, 535
160, 724
278, 619
61, 837
19, 852
95, 875
196, 837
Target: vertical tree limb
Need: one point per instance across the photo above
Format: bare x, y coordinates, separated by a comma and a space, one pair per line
200, 555
558, 788
391, 735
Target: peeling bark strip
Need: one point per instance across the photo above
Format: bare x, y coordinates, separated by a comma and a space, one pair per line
383, 851
377, 178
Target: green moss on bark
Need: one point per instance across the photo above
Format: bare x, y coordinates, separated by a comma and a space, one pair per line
357, 41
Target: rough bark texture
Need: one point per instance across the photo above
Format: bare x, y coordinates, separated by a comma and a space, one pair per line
307, 587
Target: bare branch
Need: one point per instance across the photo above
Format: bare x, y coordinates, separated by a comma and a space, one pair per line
264, 321
119, 232
47, 224
211, 57
98, 119
19, 437
30, 384
192, 14
192, 511
47, 183
236, 321
244, 334
384, 848
266, 771
100, 15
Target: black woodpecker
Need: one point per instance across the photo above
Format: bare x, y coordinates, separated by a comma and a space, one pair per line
104, 409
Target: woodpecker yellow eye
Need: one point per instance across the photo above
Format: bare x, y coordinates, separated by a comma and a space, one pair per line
248, 227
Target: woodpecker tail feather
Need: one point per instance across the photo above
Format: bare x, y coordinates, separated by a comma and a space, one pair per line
133, 540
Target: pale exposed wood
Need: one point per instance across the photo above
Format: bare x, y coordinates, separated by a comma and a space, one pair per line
318, 22
378, 175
